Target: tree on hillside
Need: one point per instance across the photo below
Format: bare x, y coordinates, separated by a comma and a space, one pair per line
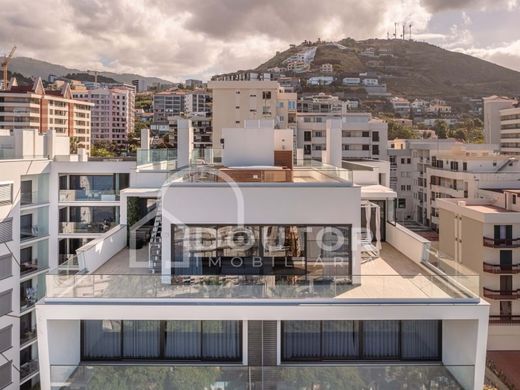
441, 129
397, 130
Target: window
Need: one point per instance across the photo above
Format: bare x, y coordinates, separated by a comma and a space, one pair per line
5, 338
375, 136
6, 267
6, 302
6, 230
365, 134
365, 147
162, 340
6, 194
415, 340
401, 203
307, 136
266, 95
375, 149
5, 375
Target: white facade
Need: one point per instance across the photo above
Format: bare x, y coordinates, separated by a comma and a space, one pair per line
510, 131
363, 137
492, 107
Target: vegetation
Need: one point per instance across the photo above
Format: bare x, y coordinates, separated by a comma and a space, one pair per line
143, 101
104, 149
397, 130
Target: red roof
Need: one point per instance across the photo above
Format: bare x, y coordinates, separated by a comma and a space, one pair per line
20, 89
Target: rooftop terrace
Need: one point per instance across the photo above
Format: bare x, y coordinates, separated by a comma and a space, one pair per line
390, 277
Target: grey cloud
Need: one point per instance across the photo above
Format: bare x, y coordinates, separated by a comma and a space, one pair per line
445, 5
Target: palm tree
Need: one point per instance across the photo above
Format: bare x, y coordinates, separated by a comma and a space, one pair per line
74, 144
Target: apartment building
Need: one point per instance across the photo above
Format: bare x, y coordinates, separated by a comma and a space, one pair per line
362, 136
239, 297
510, 130
202, 130
34, 107
198, 103
167, 104
113, 113
461, 171
322, 103
492, 126
33, 239
416, 173
237, 101
484, 235
400, 106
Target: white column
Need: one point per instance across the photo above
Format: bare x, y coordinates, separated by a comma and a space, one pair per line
334, 153
184, 142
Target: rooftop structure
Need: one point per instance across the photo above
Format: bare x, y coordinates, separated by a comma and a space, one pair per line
244, 266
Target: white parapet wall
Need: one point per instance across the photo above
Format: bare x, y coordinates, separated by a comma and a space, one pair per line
409, 243
97, 252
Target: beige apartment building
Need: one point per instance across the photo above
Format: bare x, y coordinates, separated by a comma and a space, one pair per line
240, 100
34, 107
484, 235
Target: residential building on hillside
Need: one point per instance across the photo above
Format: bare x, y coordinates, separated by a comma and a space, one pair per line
34, 107
40, 184
400, 106
492, 107
168, 103
320, 80
361, 135
326, 68
202, 130
141, 85
244, 291
237, 101
322, 103
484, 235
113, 113
510, 130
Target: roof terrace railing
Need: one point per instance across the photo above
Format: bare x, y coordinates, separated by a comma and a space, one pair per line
327, 376
402, 288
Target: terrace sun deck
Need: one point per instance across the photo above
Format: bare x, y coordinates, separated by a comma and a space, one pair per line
391, 277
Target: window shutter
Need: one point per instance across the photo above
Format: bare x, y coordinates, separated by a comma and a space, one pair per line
5, 267
5, 338
6, 230
6, 302
6, 194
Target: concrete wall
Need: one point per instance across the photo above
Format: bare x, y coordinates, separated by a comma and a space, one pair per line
248, 146
447, 232
407, 242
99, 251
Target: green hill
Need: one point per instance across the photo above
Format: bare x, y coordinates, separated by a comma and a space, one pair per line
410, 68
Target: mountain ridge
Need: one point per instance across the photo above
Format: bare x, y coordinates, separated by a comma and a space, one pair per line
409, 68
38, 68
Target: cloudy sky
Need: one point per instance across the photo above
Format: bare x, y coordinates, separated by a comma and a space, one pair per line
178, 39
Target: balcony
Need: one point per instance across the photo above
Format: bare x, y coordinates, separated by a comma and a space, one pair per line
322, 376
501, 294
88, 196
28, 370
501, 242
501, 269
85, 227
33, 198
28, 337
505, 320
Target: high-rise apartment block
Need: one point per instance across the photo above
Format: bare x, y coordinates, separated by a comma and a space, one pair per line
113, 113
492, 107
34, 107
167, 104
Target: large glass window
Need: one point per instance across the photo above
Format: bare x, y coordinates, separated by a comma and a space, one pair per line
361, 340
162, 340
283, 249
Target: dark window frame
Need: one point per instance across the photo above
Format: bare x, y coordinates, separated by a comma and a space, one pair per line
360, 341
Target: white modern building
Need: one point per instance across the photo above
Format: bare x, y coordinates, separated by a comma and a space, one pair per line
360, 135
262, 270
41, 183
492, 107
510, 130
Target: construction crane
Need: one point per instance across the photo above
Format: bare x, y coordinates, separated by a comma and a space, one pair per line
5, 64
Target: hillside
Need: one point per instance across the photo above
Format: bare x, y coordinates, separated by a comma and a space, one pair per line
32, 67
410, 68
